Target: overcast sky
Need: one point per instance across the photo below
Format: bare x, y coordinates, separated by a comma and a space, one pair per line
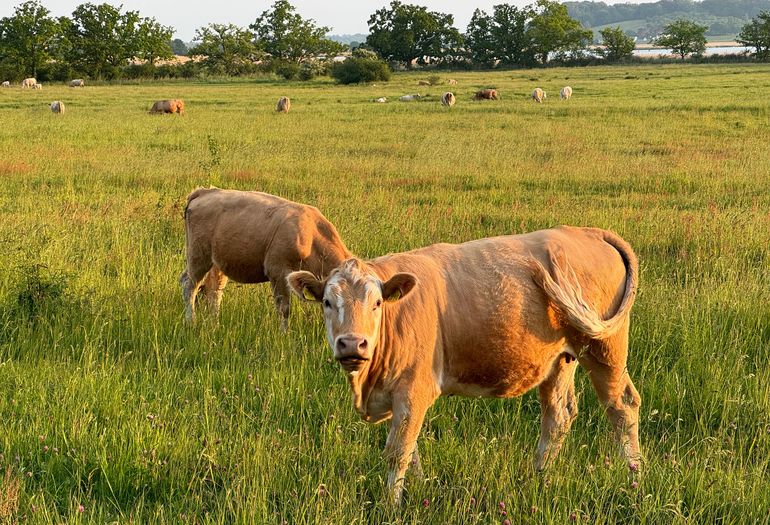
343, 17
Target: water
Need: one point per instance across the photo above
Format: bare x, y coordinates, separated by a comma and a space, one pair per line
717, 50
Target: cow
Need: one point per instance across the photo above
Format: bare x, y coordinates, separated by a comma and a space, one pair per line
448, 99
78, 82
451, 82
284, 105
6, 84
423, 83
486, 94
538, 95
28, 83
168, 106
57, 106
37, 85
566, 93
381, 100
409, 98
253, 237
494, 317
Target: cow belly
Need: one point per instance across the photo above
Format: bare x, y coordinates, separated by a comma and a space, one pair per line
242, 273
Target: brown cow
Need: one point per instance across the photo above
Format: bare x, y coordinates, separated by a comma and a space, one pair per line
168, 106
538, 95
448, 99
493, 317
486, 94
253, 237
284, 105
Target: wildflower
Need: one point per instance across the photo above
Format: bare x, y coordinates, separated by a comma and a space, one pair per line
501, 505
634, 467
506, 522
573, 516
322, 490
473, 501
426, 503
81, 509
634, 484
532, 509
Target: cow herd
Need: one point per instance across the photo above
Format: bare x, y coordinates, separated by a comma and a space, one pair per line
492, 317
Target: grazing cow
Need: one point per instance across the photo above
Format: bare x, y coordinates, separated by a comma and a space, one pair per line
423, 83
253, 237
381, 100
566, 93
448, 99
38, 86
409, 98
451, 82
57, 106
493, 317
538, 95
168, 106
284, 105
78, 82
486, 94
28, 83
6, 84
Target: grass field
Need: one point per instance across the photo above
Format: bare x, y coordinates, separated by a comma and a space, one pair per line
113, 410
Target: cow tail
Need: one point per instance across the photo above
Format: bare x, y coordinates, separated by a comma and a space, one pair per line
564, 290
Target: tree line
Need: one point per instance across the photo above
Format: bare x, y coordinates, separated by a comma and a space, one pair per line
105, 42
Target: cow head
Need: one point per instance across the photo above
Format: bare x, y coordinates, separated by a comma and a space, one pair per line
353, 298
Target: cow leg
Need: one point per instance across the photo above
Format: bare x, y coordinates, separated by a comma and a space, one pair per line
401, 445
190, 287
558, 408
282, 298
214, 284
616, 392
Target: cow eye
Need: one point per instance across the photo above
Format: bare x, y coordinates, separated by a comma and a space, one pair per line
378, 304
327, 304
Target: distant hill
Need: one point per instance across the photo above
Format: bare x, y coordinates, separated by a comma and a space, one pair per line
347, 39
725, 18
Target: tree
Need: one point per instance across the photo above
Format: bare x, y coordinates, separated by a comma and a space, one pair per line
101, 39
360, 68
229, 49
617, 45
553, 31
27, 38
407, 33
153, 41
178, 47
478, 39
756, 34
684, 37
285, 35
510, 33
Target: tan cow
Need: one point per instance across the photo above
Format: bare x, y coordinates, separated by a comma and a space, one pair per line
566, 93
253, 237
6, 84
57, 106
78, 82
284, 105
486, 94
38, 86
168, 106
29, 83
448, 99
451, 82
494, 317
423, 83
538, 95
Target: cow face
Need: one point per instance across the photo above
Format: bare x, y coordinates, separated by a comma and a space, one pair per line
353, 299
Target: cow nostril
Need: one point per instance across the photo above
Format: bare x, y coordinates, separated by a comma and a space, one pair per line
363, 344
341, 344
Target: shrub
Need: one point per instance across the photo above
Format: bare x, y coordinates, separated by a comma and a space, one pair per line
310, 70
434, 80
355, 70
286, 69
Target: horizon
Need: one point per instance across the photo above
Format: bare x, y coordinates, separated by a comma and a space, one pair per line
341, 17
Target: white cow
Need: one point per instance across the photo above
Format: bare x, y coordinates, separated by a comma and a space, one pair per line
409, 98
28, 83
6, 84
78, 82
566, 93
448, 99
538, 95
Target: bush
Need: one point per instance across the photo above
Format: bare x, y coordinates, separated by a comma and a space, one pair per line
310, 70
355, 70
434, 80
286, 69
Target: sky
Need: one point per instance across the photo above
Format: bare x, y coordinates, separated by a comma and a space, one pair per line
342, 16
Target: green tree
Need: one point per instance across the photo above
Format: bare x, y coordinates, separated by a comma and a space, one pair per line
553, 31
756, 34
617, 44
405, 33
285, 35
179, 47
478, 39
153, 41
511, 36
684, 37
101, 39
229, 49
27, 38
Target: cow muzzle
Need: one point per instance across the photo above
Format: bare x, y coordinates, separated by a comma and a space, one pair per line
351, 352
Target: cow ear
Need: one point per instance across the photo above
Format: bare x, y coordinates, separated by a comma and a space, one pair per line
306, 286
398, 286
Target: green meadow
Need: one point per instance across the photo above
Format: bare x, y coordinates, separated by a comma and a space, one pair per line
113, 410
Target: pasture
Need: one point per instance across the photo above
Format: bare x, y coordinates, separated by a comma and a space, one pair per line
113, 410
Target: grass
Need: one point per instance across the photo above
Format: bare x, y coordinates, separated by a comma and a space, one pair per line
110, 402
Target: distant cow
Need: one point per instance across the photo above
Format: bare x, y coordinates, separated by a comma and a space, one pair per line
489, 318
486, 94
451, 82
38, 86
381, 100
6, 84
284, 105
538, 95
566, 93
409, 98
448, 99
168, 106
423, 83
28, 83
78, 82
253, 237
57, 106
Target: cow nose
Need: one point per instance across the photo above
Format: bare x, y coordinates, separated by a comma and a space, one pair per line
351, 344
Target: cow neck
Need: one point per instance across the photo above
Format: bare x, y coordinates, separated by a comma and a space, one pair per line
372, 373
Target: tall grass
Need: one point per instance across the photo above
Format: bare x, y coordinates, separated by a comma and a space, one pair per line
112, 409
